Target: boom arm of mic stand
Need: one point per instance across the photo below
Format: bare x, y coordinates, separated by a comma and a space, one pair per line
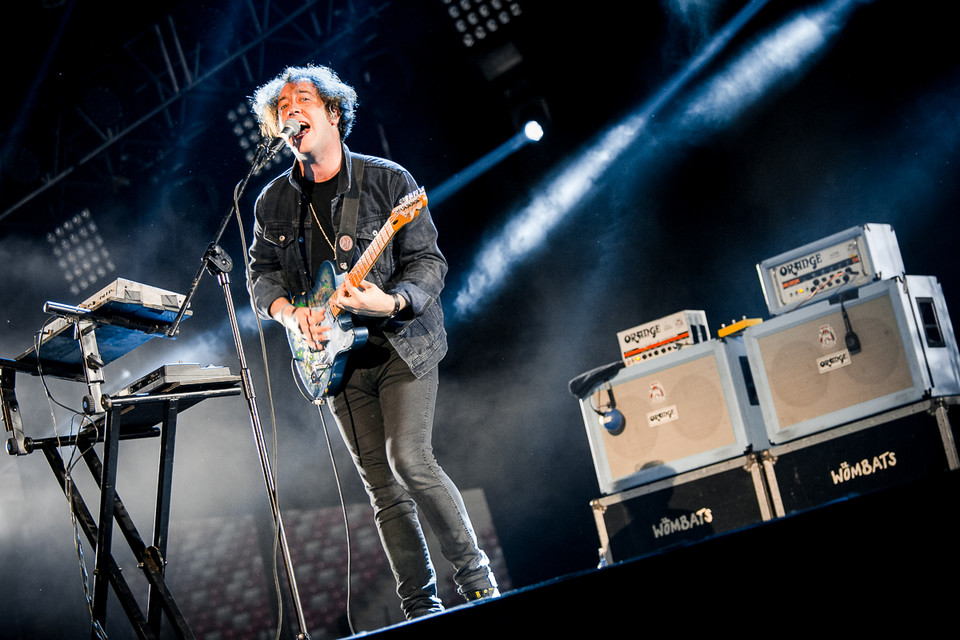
214, 258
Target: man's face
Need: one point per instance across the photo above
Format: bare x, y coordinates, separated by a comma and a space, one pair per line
318, 129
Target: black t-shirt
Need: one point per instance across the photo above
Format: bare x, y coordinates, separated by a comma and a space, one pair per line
320, 195
323, 237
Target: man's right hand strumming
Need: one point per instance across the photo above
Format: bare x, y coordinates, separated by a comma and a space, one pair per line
307, 320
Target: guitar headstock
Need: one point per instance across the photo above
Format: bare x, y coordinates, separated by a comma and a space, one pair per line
408, 209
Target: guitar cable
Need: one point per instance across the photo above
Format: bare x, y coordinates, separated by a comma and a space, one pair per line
346, 520
336, 476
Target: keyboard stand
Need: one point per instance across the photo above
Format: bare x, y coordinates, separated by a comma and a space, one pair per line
126, 314
150, 559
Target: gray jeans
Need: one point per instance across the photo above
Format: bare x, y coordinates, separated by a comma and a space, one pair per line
385, 415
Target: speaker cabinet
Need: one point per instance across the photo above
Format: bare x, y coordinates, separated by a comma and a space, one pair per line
669, 415
885, 345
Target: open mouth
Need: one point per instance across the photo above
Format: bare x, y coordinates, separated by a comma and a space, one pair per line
304, 127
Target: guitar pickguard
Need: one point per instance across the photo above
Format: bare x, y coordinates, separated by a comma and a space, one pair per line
321, 370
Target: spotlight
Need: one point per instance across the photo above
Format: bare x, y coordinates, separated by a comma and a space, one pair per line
78, 248
474, 20
533, 131
531, 116
244, 126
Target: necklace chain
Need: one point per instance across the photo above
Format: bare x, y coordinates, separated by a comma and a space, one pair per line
325, 236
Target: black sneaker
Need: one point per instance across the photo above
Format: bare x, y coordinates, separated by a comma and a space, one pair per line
482, 594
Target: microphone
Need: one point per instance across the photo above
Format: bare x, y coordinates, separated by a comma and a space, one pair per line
290, 128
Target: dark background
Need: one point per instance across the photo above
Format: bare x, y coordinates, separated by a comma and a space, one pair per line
863, 128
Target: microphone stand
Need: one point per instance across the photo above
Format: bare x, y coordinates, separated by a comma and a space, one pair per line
218, 263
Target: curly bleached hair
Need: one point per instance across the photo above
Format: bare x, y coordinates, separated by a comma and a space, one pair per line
338, 97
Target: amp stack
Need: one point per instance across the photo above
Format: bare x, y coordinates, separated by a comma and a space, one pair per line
855, 372
845, 389
672, 427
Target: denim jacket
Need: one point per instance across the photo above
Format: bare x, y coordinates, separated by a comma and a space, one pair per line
411, 265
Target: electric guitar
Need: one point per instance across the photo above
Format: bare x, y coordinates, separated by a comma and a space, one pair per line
321, 370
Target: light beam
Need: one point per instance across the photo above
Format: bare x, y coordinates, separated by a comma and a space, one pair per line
782, 52
532, 132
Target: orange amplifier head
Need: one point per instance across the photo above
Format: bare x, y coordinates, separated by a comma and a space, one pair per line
666, 335
831, 265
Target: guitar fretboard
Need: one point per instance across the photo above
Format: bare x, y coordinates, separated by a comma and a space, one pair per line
402, 214
372, 254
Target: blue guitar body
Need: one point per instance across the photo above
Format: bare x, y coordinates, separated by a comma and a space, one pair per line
321, 370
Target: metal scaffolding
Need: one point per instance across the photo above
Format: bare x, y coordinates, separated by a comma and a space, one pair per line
136, 110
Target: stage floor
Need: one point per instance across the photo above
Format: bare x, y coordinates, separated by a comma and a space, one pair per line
871, 560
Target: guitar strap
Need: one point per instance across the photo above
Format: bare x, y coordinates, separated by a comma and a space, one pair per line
347, 236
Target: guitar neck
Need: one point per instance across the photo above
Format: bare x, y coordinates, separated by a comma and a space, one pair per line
372, 254
369, 257
403, 213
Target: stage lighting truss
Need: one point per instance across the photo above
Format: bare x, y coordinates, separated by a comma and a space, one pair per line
80, 252
244, 126
474, 20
